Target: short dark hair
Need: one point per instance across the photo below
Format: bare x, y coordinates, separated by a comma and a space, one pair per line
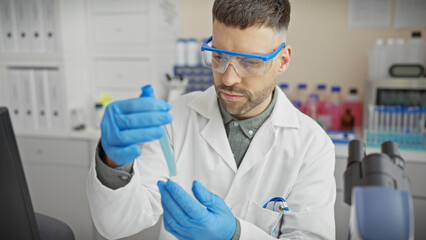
249, 13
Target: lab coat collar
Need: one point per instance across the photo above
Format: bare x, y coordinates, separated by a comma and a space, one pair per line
206, 104
284, 113
214, 131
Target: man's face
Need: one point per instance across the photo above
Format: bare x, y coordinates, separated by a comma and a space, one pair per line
249, 96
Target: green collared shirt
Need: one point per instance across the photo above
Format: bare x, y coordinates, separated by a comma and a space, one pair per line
241, 132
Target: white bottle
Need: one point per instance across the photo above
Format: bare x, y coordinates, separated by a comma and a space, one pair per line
377, 60
180, 52
390, 55
415, 49
399, 51
192, 52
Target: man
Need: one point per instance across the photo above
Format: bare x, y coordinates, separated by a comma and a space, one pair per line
269, 166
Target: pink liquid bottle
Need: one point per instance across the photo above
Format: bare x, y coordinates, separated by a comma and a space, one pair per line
321, 91
354, 103
335, 107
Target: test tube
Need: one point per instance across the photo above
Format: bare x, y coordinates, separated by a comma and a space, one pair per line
376, 124
370, 125
382, 124
387, 114
393, 122
147, 91
398, 123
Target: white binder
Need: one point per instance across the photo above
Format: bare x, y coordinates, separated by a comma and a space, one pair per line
49, 23
22, 12
26, 78
8, 30
15, 98
36, 33
56, 110
42, 97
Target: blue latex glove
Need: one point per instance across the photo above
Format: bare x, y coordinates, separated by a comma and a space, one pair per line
185, 218
129, 122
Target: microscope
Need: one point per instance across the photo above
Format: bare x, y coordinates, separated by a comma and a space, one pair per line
378, 191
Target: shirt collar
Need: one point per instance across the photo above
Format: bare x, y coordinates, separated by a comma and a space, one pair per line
250, 125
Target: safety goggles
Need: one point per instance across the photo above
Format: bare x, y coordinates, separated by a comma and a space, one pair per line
246, 65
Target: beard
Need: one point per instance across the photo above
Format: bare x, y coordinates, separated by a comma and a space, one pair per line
249, 101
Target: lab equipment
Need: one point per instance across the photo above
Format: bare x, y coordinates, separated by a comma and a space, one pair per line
246, 65
147, 91
212, 219
277, 204
17, 214
18, 219
122, 128
408, 56
387, 113
378, 191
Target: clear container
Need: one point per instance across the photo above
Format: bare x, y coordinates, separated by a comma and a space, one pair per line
399, 51
390, 55
312, 106
377, 60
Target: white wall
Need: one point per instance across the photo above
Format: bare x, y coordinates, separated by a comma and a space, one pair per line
324, 49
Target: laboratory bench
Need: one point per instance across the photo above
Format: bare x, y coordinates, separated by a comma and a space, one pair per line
56, 165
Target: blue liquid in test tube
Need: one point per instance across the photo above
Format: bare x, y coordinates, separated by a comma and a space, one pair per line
147, 91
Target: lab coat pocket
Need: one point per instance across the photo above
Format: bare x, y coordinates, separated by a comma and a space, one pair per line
266, 219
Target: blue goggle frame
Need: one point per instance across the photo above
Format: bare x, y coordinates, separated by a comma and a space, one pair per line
264, 57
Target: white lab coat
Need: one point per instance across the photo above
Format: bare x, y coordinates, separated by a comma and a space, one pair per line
290, 156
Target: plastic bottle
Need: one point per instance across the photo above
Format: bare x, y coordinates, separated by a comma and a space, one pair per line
180, 52
312, 106
335, 107
99, 113
415, 49
354, 103
399, 51
377, 60
300, 97
324, 116
192, 52
390, 55
322, 98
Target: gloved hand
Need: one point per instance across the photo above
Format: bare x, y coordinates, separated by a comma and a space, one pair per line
185, 218
129, 122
